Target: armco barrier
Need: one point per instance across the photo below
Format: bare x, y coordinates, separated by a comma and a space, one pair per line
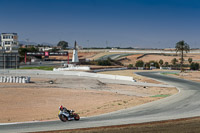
110, 69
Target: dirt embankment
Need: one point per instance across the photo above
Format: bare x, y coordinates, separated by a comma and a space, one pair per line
132, 59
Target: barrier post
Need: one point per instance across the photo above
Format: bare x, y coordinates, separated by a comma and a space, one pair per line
25, 58
68, 58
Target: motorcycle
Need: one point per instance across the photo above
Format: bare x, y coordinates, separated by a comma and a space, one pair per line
65, 116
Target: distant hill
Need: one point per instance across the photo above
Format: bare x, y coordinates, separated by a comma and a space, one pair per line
34, 43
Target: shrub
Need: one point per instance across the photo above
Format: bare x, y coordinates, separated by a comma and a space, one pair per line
166, 64
152, 64
194, 66
174, 61
139, 63
104, 63
130, 66
109, 62
161, 62
190, 60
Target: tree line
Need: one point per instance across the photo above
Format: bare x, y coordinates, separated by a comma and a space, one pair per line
181, 47
174, 64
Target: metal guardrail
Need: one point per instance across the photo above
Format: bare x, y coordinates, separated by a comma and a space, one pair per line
110, 69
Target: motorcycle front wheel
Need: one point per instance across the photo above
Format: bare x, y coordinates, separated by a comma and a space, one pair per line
63, 118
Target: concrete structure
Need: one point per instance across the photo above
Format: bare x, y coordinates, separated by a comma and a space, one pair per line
9, 42
75, 54
72, 67
92, 75
9, 60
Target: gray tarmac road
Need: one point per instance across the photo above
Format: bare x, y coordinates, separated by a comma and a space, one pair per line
184, 104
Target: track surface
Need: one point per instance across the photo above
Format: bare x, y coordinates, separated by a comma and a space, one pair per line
182, 105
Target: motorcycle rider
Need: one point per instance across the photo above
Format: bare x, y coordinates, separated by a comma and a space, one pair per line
66, 111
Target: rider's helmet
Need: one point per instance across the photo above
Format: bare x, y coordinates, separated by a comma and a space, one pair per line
61, 107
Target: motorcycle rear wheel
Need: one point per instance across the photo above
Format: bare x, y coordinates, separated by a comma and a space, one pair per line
76, 117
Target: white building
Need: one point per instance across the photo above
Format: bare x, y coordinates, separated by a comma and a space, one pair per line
9, 42
75, 54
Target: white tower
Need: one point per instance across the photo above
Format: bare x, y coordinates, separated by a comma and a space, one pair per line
75, 54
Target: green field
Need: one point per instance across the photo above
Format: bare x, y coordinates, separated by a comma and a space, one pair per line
160, 96
48, 68
166, 73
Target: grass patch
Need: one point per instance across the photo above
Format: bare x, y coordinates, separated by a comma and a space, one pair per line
170, 73
161, 95
48, 68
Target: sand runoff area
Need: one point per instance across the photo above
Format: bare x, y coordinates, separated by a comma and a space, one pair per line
40, 100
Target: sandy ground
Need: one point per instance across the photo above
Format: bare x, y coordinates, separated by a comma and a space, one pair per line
132, 59
189, 75
40, 100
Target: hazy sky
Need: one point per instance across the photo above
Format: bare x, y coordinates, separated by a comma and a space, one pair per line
100, 23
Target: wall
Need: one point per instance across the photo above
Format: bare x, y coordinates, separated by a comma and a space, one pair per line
72, 73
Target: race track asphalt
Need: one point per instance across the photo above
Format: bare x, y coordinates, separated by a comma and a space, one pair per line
182, 105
